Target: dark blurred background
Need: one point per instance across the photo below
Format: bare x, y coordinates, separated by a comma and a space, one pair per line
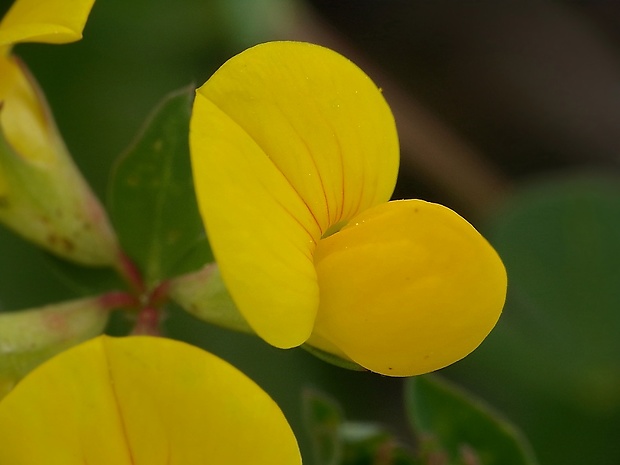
508, 112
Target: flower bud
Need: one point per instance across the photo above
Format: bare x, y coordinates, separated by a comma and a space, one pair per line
43, 196
204, 295
29, 337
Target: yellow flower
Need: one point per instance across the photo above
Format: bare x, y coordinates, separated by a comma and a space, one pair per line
141, 401
295, 156
43, 196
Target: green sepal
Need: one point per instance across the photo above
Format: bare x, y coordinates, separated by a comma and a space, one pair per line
204, 295
332, 358
51, 205
29, 337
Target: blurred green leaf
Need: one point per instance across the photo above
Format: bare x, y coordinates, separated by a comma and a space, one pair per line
449, 422
83, 281
557, 343
323, 418
151, 198
560, 243
26, 280
371, 444
338, 442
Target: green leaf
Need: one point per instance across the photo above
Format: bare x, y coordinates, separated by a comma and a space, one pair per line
557, 343
323, 418
371, 444
559, 241
339, 442
449, 421
83, 281
151, 197
25, 279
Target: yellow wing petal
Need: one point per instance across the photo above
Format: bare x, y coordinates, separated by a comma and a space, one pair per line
141, 401
287, 140
50, 21
408, 287
261, 232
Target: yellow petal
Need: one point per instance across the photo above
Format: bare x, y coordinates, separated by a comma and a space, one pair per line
50, 21
287, 139
141, 401
25, 119
408, 287
318, 118
261, 232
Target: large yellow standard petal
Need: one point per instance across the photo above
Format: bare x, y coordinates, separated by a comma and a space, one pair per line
288, 140
141, 401
408, 287
50, 21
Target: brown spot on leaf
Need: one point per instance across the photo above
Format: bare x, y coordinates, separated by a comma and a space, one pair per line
61, 242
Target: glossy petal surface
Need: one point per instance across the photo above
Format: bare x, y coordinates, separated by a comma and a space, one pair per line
51, 21
408, 287
288, 139
141, 401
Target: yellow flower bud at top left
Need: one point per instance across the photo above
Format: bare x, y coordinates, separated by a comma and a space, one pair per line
49, 21
43, 196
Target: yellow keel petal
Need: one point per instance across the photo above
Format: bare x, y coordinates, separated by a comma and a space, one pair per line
408, 287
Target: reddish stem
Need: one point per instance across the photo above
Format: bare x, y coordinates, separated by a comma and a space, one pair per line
147, 302
148, 322
158, 296
118, 299
130, 273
